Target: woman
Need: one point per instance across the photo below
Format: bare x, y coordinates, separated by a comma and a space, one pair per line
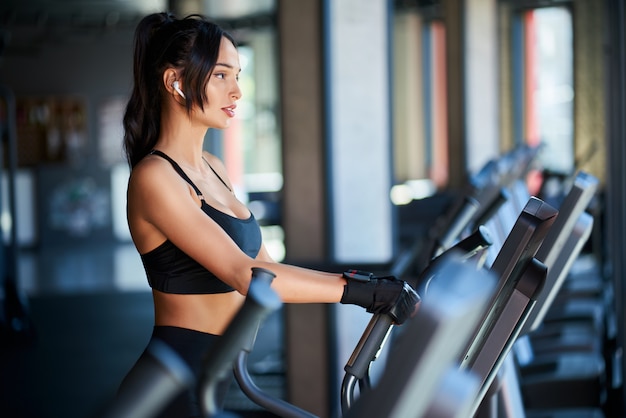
197, 241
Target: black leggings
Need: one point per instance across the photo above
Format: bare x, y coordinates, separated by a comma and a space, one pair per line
191, 346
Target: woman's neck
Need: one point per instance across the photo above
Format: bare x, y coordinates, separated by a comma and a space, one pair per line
182, 142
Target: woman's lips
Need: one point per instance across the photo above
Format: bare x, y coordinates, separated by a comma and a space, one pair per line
230, 110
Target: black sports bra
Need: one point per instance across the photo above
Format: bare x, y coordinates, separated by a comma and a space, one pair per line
170, 270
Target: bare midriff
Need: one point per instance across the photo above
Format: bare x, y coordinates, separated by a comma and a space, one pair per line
210, 313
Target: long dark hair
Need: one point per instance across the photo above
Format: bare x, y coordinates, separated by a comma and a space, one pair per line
162, 41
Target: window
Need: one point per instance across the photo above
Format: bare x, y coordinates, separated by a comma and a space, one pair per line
420, 108
543, 49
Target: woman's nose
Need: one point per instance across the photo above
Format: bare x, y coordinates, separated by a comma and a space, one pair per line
236, 94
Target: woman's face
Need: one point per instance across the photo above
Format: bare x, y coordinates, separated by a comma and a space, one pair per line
222, 89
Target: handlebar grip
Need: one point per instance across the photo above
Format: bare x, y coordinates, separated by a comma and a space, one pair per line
476, 241
260, 301
369, 345
264, 276
261, 274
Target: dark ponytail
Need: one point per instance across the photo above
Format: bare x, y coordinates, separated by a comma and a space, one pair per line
161, 42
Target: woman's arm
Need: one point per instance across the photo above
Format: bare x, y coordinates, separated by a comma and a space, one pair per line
162, 203
163, 206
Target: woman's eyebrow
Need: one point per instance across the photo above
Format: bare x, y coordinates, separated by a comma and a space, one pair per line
223, 64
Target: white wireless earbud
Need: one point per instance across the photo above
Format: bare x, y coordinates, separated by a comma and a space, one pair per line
176, 87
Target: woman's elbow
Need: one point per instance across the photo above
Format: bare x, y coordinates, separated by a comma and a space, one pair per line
244, 278
240, 279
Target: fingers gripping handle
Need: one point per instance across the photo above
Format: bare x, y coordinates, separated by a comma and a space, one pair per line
379, 295
406, 305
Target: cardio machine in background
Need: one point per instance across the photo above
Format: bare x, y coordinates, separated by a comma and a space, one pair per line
539, 238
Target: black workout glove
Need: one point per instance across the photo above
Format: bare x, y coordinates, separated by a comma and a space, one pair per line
380, 295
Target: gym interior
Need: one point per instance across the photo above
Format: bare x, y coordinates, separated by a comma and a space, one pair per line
373, 134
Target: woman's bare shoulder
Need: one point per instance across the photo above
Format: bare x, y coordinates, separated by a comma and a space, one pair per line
153, 175
157, 194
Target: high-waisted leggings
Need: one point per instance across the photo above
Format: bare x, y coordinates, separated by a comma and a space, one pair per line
191, 346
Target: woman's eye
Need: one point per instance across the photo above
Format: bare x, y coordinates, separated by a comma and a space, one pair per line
220, 75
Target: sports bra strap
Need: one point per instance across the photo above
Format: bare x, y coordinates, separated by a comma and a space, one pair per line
178, 169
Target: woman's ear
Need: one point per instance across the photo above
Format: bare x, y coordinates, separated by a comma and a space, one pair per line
172, 82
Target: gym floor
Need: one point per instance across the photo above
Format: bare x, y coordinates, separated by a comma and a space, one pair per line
90, 313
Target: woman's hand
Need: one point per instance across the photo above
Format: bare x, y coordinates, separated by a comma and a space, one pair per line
382, 295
